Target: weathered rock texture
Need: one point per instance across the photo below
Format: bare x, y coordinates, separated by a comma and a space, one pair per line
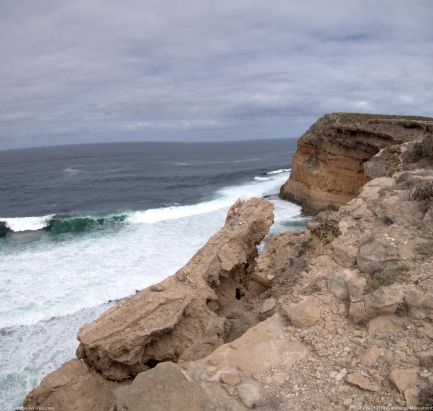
336, 317
189, 314
327, 168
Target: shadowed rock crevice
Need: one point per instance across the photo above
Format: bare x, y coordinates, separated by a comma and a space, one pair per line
189, 314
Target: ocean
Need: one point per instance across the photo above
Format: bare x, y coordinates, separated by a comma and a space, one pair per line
82, 226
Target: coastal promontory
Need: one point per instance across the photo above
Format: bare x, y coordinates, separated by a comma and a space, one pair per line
336, 316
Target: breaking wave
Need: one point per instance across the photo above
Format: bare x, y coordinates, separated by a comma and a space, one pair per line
57, 224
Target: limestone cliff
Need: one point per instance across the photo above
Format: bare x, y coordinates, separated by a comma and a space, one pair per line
327, 168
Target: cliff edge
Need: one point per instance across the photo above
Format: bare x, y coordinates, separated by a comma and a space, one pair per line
337, 316
328, 166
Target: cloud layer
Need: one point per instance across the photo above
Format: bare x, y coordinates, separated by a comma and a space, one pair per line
109, 70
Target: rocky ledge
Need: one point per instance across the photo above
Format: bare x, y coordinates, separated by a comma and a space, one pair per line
331, 162
337, 316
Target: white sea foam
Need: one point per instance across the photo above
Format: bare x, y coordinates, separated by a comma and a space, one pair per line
281, 170
69, 171
224, 198
18, 224
48, 279
51, 278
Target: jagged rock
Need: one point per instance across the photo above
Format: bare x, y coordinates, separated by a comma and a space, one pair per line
268, 305
403, 378
379, 252
372, 355
338, 283
263, 343
165, 387
420, 304
425, 358
303, 314
343, 253
279, 254
74, 386
327, 168
384, 300
355, 378
159, 326
411, 395
250, 392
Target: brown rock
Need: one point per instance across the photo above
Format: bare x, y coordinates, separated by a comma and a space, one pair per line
268, 305
355, 378
303, 314
411, 396
403, 378
159, 326
372, 355
384, 300
261, 348
425, 358
230, 377
379, 252
384, 324
279, 255
72, 387
250, 392
165, 387
420, 304
327, 168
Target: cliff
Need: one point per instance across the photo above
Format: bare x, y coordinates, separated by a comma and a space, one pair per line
338, 316
328, 168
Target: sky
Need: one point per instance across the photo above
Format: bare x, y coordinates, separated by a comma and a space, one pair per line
104, 70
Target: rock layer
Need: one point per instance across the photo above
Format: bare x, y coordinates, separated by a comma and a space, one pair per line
327, 168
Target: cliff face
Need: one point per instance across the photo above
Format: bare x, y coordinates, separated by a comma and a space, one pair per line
328, 166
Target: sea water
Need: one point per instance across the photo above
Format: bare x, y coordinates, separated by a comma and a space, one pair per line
82, 226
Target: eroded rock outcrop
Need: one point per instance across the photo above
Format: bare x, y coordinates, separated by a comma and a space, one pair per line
327, 168
187, 315
334, 317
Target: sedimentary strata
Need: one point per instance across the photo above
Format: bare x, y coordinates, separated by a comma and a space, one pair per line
328, 166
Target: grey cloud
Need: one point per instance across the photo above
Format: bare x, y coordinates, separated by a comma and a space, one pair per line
102, 70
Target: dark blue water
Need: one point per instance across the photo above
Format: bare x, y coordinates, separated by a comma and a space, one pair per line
112, 178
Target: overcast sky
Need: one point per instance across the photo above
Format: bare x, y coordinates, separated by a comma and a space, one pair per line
101, 70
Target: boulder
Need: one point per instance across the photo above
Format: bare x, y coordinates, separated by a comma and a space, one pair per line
425, 358
74, 386
356, 378
371, 356
339, 282
420, 304
403, 378
187, 311
279, 254
384, 300
261, 348
165, 387
303, 314
384, 324
379, 252
250, 392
